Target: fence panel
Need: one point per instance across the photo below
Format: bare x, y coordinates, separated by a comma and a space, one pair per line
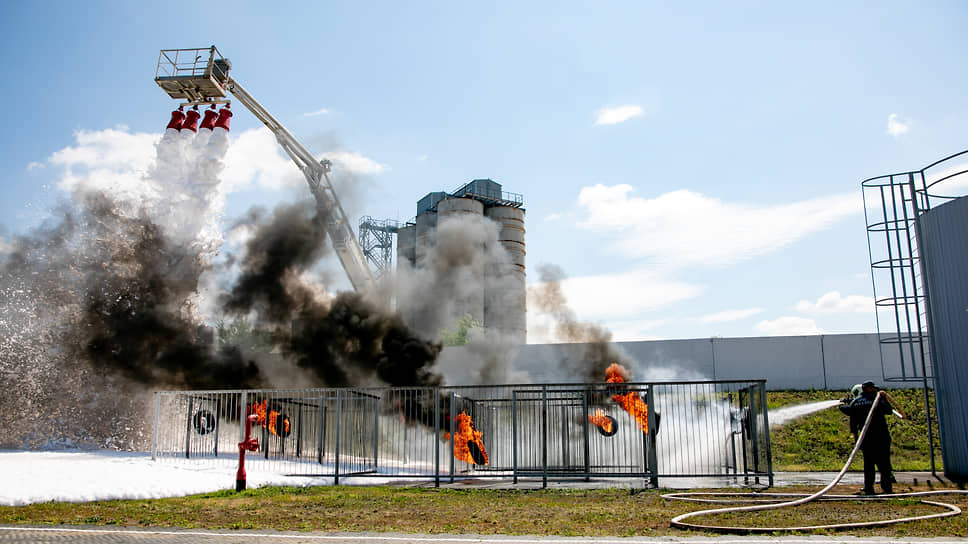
546, 431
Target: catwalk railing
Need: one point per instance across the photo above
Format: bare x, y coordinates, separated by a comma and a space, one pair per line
550, 431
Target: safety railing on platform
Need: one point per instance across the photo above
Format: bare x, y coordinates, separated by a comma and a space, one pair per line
513, 432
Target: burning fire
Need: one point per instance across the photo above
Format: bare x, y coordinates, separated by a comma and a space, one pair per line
605, 423
468, 446
269, 420
631, 402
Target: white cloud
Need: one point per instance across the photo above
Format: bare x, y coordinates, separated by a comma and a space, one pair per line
34, 165
321, 111
621, 295
255, 158
552, 217
730, 315
355, 162
895, 127
789, 326
833, 302
110, 160
687, 228
620, 114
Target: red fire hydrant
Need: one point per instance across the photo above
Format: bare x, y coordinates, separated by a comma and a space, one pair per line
250, 444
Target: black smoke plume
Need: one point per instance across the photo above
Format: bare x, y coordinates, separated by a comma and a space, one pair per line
344, 340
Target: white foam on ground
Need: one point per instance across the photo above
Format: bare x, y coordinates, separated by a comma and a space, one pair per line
79, 476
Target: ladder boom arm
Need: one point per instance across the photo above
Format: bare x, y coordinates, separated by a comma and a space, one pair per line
316, 172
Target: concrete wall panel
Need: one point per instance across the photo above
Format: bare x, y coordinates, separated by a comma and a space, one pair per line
833, 361
788, 362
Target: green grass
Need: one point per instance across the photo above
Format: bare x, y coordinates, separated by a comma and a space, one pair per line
590, 513
822, 440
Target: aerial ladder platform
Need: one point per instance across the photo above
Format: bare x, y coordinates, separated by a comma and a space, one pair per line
201, 77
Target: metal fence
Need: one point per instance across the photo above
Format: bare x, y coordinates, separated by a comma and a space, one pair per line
511, 432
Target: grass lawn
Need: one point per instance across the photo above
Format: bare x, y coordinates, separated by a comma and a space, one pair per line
597, 512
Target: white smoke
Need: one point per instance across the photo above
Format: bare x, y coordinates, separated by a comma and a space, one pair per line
448, 283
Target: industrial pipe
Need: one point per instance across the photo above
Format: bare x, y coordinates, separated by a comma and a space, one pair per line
249, 444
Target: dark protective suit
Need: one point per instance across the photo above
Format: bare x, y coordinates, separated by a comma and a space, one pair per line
877, 442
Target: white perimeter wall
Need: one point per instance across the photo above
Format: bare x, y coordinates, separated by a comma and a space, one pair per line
834, 361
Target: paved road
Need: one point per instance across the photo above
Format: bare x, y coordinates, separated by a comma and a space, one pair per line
121, 535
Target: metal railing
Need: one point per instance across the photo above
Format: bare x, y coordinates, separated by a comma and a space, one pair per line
198, 62
510, 432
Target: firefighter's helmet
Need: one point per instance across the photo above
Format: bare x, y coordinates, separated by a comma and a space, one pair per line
856, 390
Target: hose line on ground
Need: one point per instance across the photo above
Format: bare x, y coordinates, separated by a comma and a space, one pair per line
678, 521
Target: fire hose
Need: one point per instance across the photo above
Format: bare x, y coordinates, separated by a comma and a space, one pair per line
678, 521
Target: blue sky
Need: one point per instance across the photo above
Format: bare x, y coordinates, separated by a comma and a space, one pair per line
693, 168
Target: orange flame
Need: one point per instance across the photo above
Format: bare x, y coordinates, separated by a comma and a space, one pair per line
268, 420
468, 446
601, 420
631, 402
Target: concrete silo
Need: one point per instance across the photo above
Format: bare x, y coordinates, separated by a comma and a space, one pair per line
470, 260
407, 245
505, 287
492, 286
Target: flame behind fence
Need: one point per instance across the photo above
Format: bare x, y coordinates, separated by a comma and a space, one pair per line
557, 431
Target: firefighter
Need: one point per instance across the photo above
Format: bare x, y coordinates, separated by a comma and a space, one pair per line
855, 392
876, 446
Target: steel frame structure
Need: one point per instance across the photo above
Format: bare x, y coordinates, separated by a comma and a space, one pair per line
892, 205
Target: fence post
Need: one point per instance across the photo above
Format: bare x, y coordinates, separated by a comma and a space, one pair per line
584, 409
154, 433
188, 426
544, 436
514, 435
453, 442
339, 424
218, 422
243, 408
766, 426
321, 412
653, 429
436, 393
376, 432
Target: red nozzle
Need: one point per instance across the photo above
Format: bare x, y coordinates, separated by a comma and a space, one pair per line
208, 122
177, 118
191, 121
224, 115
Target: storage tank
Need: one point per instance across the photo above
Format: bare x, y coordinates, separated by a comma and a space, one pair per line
470, 294
943, 233
424, 235
505, 288
407, 245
